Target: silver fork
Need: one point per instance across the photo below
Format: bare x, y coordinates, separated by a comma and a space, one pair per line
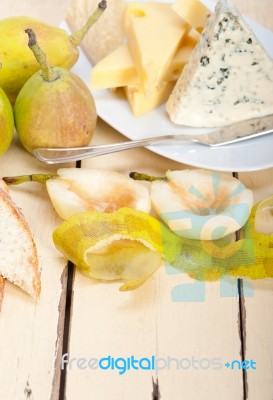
230, 134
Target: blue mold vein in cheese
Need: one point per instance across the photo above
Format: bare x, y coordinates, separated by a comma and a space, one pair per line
228, 78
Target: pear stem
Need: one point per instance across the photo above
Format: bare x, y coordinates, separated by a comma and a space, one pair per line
48, 73
17, 180
77, 37
139, 176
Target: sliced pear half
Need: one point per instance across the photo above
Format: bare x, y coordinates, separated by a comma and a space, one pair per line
264, 216
124, 245
199, 204
76, 190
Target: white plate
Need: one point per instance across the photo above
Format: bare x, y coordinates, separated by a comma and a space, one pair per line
251, 155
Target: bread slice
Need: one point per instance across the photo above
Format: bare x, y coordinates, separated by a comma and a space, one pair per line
3, 186
19, 259
106, 34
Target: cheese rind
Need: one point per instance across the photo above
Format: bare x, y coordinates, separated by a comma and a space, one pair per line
228, 78
154, 33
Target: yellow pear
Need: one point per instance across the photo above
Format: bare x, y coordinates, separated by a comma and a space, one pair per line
54, 107
6, 122
18, 64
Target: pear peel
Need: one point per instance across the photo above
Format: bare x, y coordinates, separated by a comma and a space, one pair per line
124, 245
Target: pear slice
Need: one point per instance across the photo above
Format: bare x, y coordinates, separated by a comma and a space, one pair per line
75, 190
264, 216
199, 204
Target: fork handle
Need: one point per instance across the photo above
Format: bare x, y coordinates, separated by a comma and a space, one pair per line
64, 155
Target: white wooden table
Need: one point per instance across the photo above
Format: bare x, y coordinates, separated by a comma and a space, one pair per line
92, 320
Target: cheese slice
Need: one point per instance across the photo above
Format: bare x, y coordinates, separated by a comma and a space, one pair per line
228, 78
118, 69
181, 58
140, 104
194, 12
154, 33
193, 35
115, 70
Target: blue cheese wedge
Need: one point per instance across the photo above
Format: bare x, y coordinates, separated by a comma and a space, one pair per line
228, 78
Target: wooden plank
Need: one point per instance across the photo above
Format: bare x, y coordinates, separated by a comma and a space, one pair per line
258, 307
258, 310
31, 331
106, 322
146, 323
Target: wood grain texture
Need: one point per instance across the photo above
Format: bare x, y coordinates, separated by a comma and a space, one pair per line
259, 309
106, 322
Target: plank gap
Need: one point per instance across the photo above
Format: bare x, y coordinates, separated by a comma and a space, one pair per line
156, 393
59, 341
242, 320
67, 320
242, 330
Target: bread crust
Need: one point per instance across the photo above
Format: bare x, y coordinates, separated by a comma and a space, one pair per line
2, 286
32, 258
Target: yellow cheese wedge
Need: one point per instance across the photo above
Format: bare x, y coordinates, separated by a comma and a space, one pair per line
118, 69
115, 70
193, 12
154, 33
140, 104
193, 35
181, 58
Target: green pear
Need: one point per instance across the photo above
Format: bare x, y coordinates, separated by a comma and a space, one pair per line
18, 63
6, 122
54, 108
